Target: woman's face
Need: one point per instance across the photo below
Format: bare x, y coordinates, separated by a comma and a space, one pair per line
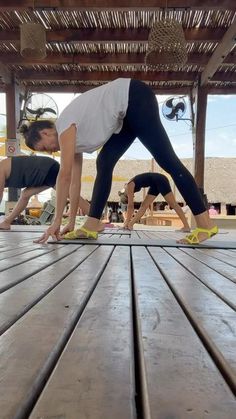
49, 141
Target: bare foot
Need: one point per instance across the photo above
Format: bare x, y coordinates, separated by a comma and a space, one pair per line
101, 226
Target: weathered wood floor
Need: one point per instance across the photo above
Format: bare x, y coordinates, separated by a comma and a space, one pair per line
115, 331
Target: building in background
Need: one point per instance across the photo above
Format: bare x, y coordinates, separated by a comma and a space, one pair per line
220, 181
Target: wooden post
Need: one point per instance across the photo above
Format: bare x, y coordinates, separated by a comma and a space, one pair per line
199, 136
13, 116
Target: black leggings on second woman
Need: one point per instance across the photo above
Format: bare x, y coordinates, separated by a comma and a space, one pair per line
142, 120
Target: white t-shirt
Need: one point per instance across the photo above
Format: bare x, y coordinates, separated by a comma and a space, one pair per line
97, 114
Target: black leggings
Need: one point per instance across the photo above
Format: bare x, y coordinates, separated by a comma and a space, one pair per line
142, 120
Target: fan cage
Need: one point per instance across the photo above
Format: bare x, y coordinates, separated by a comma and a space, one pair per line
176, 101
36, 101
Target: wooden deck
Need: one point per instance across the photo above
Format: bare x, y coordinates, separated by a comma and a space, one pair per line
117, 331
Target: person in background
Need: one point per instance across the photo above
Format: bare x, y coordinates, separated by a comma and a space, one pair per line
111, 116
123, 204
212, 210
157, 183
33, 173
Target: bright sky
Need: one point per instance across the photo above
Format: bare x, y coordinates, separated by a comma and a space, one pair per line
220, 127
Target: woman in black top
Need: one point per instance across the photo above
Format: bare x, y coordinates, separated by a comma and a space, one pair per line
34, 173
157, 183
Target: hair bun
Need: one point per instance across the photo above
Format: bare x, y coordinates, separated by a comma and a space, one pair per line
24, 129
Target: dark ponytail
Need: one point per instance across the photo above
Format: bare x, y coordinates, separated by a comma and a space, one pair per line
31, 133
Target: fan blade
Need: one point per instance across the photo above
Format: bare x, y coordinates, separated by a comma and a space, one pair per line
49, 110
31, 111
169, 103
171, 115
179, 107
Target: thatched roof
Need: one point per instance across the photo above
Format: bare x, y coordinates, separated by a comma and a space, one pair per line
91, 42
220, 179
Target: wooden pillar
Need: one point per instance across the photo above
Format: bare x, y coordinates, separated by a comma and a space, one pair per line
13, 117
199, 135
200, 98
223, 209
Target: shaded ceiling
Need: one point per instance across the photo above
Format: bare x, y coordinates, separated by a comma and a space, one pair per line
91, 42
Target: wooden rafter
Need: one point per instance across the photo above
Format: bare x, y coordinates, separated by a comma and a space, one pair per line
219, 54
104, 76
100, 36
117, 4
111, 75
98, 59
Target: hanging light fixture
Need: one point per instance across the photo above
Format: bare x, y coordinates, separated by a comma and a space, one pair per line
32, 40
166, 44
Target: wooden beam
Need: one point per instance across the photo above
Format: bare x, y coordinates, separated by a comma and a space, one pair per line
219, 54
81, 89
101, 59
117, 4
60, 88
106, 76
224, 76
100, 36
221, 90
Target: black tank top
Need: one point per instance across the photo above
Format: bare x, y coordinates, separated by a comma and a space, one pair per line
156, 182
29, 171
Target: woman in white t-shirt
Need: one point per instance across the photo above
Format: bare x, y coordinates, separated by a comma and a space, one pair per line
110, 116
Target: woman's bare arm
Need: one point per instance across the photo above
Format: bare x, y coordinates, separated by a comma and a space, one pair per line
130, 208
67, 148
145, 204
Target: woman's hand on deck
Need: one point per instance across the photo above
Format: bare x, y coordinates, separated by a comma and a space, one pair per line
128, 226
53, 231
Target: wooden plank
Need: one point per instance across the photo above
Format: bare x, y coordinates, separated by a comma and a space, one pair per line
216, 282
220, 266
212, 318
150, 242
19, 250
135, 234
223, 255
14, 274
95, 377
179, 378
41, 335
21, 259
17, 300
115, 231
5, 248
